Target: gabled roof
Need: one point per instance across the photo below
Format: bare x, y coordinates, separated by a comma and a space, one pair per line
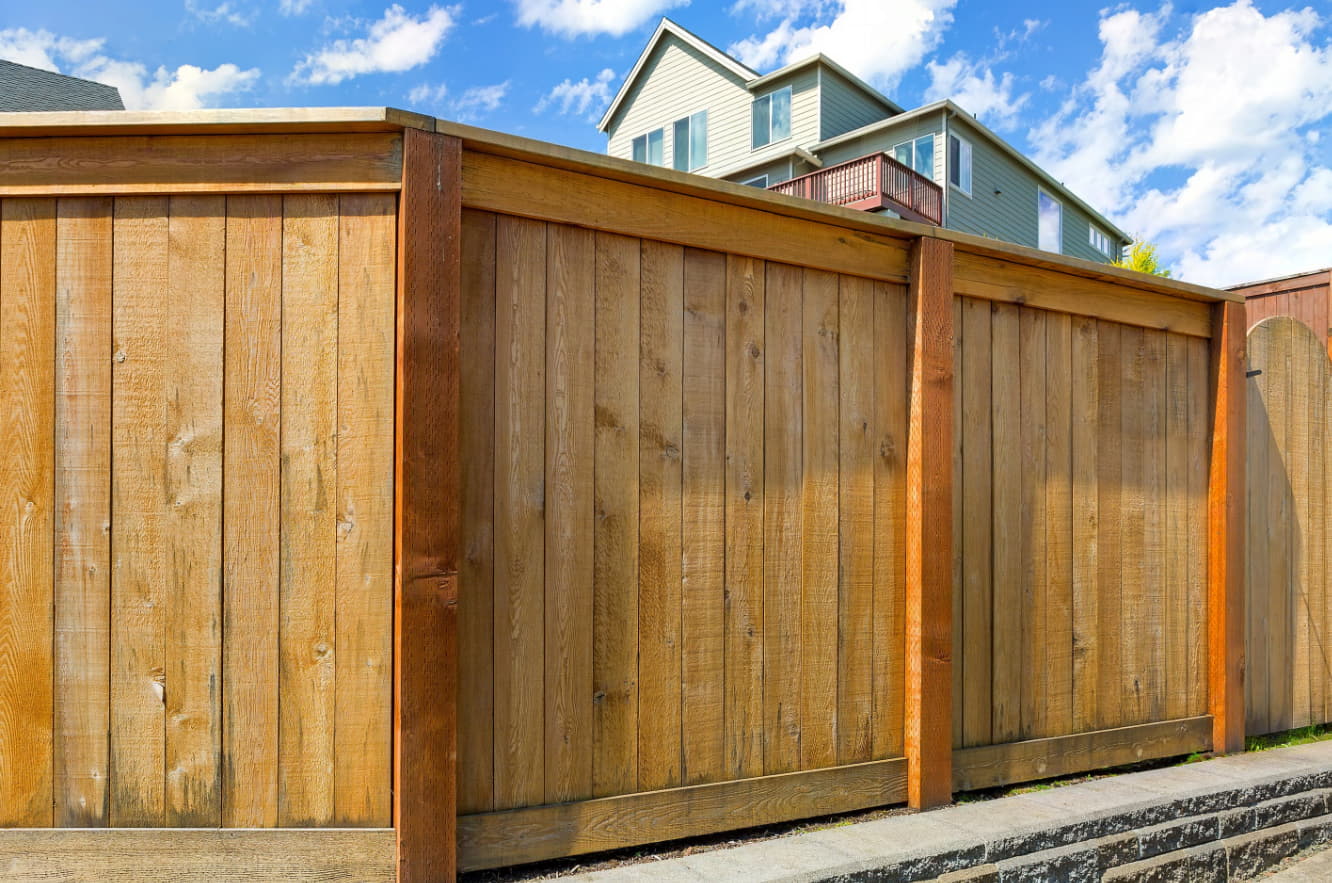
24, 88
821, 59
702, 46
947, 105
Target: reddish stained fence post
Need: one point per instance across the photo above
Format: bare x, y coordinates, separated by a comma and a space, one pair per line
427, 493
1225, 530
929, 527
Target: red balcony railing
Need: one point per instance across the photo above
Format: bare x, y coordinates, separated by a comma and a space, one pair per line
876, 181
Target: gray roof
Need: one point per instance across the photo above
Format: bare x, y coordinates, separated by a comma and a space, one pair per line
29, 88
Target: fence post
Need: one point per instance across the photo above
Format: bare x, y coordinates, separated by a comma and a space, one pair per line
929, 527
1225, 530
427, 489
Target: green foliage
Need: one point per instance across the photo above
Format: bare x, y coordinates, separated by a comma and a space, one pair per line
1299, 736
1142, 257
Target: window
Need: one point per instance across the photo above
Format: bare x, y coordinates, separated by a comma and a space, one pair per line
771, 117
917, 155
1049, 222
648, 148
959, 164
691, 142
761, 181
1099, 241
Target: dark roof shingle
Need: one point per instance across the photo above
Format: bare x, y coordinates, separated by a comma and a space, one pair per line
24, 88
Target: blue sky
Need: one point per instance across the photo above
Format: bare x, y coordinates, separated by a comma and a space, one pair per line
1200, 125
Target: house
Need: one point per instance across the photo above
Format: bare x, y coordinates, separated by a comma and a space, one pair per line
24, 88
814, 129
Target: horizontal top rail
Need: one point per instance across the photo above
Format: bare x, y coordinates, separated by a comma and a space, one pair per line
384, 119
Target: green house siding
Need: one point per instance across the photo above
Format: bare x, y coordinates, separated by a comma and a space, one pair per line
845, 107
884, 140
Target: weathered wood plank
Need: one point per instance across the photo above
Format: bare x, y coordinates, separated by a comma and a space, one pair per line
82, 509
138, 541
660, 439
1032, 379
1109, 496
192, 509
1086, 561
1008, 528
703, 543
1176, 505
307, 670
363, 724
251, 511
975, 431
27, 466
1300, 536
615, 556
570, 351
745, 366
1152, 644
783, 518
1199, 456
1132, 533
1057, 677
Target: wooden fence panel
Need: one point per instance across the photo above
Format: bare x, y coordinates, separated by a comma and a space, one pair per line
1287, 613
151, 607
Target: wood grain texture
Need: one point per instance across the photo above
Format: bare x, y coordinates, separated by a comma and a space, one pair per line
192, 508
1057, 674
363, 635
703, 544
1032, 381
1176, 510
819, 502
138, 485
520, 293
251, 513
1152, 644
783, 518
1259, 465
660, 378
615, 553
1007, 530
27, 399
570, 342
1086, 499
200, 163
975, 479
1225, 531
745, 502
502, 838
1132, 532
1199, 459
427, 492
196, 855
82, 510
929, 540
476, 576
308, 552
1109, 566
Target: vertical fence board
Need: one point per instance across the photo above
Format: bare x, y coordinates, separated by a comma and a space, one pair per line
570, 343
660, 439
615, 556
476, 574
1225, 522
251, 514
1258, 573
1196, 566
138, 485
309, 519
1279, 514
1110, 561
363, 729
1175, 677
520, 346
818, 614
855, 521
959, 607
1032, 378
783, 523
1132, 528
1316, 548
195, 295
1153, 660
1008, 527
1058, 604
703, 562
82, 509
1297, 469
890, 507
1086, 500
27, 396
976, 535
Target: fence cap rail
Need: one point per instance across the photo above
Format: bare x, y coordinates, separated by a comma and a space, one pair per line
387, 119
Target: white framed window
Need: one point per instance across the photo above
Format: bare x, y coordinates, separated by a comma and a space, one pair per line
1099, 241
690, 137
1049, 223
771, 118
648, 148
959, 163
761, 182
917, 155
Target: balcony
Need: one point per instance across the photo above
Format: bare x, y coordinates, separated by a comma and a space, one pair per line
870, 183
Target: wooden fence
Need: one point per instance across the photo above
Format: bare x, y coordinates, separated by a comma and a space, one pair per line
715, 508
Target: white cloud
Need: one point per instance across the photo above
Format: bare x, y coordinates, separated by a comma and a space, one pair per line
878, 40
223, 12
293, 7
187, 87
574, 18
974, 87
585, 98
1206, 142
478, 100
427, 94
397, 42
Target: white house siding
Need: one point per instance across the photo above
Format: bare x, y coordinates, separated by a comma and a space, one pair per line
675, 82
777, 170
845, 106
